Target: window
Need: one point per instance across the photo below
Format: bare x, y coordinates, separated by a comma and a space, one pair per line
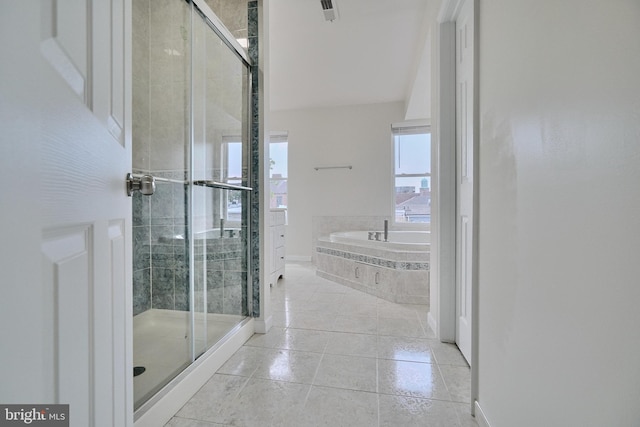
232, 173
278, 147
412, 174
232, 169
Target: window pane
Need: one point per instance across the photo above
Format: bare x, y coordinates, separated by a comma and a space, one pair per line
278, 156
234, 206
234, 163
412, 167
412, 154
278, 174
231, 200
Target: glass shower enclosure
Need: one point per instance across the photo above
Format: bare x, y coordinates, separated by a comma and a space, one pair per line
191, 124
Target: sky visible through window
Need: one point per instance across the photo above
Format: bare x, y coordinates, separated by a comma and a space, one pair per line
278, 174
278, 155
234, 153
412, 156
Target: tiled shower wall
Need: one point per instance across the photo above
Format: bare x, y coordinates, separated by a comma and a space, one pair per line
161, 52
160, 256
233, 14
256, 194
220, 266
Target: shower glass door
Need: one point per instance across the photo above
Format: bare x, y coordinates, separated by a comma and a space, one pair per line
220, 173
190, 131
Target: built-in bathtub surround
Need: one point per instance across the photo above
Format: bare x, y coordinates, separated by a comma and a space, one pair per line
396, 240
400, 276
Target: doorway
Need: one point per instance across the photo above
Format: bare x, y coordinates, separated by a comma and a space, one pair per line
458, 171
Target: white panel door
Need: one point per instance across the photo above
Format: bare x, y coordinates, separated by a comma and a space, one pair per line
464, 176
66, 218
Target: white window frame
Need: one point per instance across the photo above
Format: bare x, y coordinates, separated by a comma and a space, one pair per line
408, 127
278, 137
224, 169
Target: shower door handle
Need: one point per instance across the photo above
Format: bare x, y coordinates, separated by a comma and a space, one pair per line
146, 184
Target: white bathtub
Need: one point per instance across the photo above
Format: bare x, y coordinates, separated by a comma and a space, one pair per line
398, 240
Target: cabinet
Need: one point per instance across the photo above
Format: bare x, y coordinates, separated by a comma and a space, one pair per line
277, 244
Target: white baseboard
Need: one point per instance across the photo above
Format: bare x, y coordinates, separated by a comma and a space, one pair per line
432, 322
298, 258
161, 410
263, 326
481, 418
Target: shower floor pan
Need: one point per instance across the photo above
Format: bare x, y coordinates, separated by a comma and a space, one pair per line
162, 345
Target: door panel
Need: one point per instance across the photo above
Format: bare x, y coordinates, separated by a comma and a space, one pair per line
70, 275
109, 64
464, 176
65, 41
67, 263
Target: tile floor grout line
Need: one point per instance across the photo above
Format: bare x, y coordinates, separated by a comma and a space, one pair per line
199, 421
377, 376
315, 374
244, 384
378, 405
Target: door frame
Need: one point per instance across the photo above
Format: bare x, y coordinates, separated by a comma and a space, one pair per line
445, 85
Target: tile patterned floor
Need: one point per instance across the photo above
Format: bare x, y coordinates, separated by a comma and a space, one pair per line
336, 357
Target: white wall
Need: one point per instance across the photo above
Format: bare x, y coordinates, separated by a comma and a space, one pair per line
559, 276
358, 135
418, 99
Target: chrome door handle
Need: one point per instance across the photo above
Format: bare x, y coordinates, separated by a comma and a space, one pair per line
146, 184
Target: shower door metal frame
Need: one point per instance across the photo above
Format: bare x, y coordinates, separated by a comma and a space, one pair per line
216, 25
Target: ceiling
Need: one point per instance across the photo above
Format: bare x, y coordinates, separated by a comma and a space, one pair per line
372, 53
